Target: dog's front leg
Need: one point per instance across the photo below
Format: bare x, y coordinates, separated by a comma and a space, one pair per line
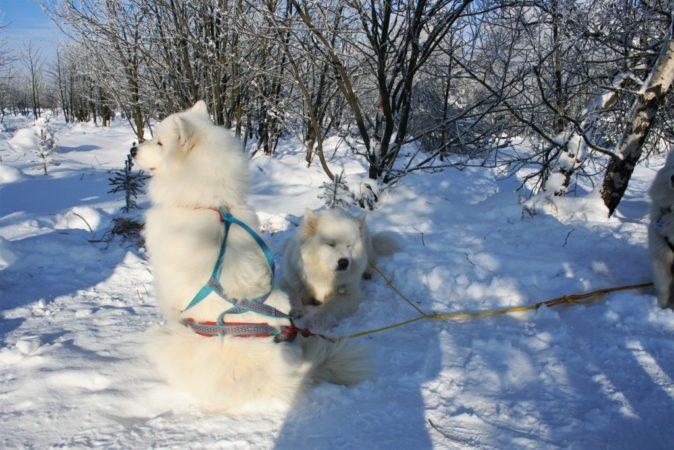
296, 306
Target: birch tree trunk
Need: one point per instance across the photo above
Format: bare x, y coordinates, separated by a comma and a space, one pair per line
646, 105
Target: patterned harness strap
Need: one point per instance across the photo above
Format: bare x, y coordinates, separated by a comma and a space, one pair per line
286, 333
241, 306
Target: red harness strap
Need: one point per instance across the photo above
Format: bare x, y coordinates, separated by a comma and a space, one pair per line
243, 329
289, 333
286, 333
217, 210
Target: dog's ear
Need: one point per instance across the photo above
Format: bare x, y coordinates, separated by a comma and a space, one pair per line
201, 108
185, 132
310, 222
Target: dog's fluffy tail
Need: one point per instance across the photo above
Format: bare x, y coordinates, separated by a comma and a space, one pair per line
342, 362
384, 244
223, 373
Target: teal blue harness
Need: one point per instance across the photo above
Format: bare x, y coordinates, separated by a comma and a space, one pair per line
244, 305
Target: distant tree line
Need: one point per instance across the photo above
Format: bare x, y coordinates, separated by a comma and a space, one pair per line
24, 81
583, 88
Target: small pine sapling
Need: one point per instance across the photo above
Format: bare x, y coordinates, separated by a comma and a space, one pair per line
45, 144
336, 193
128, 181
131, 182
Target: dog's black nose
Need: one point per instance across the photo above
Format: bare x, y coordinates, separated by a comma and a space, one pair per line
342, 264
133, 151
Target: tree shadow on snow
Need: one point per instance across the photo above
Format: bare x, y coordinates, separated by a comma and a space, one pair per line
51, 195
51, 265
386, 411
79, 148
564, 377
627, 373
57, 258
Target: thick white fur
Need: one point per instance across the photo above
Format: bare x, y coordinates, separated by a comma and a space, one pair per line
311, 258
661, 229
196, 165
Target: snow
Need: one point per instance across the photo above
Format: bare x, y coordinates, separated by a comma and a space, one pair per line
7, 258
74, 311
9, 174
82, 218
25, 139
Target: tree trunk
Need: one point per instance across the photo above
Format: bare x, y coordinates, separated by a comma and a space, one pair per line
560, 103
619, 170
573, 153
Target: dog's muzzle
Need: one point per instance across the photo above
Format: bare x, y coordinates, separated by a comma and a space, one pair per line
342, 264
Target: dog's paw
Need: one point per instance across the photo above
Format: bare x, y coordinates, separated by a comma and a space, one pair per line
296, 313
319, 322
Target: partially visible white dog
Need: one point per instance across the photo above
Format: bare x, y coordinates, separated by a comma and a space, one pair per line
325, 261
197, 166
661, 233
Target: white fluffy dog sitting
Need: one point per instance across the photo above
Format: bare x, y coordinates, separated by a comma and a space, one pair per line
197, 166
661, 233
325, 261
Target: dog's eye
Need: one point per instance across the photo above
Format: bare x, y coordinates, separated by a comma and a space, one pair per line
159, 143
331, 244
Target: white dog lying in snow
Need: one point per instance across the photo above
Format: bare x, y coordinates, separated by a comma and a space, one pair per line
197, 166
661, 233
325, 261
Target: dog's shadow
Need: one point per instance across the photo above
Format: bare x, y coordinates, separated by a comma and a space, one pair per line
387, 410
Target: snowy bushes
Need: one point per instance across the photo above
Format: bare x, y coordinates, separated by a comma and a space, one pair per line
37, 141
458, 77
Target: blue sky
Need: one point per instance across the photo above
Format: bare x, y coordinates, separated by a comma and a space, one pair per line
25, 22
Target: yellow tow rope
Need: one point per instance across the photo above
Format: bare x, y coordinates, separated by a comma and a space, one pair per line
573, 299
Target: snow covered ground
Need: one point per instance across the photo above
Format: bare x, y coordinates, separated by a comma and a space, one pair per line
73, 314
